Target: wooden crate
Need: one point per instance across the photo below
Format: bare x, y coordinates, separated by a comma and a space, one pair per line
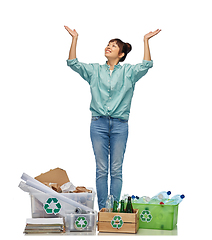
118, 222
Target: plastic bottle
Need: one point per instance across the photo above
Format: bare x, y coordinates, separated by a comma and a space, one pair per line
143, 199
160, 197
125, 197
154, 200
134, 199
175, 199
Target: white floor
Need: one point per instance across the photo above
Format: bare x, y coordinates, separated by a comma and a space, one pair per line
141, 232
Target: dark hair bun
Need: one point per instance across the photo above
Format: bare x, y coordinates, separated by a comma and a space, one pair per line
126, 49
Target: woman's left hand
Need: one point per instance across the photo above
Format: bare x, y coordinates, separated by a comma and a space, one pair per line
151, 34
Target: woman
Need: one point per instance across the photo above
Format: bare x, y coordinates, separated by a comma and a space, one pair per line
112, 86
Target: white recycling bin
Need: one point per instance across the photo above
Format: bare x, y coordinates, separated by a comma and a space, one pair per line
81, 222
45, 205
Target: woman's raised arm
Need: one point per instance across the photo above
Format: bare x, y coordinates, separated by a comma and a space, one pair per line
147, 55
74, 34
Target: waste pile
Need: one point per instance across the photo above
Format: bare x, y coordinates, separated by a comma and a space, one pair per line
54, 196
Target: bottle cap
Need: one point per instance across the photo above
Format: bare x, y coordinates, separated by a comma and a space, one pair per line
161, 203
160, 196
133, 197
169, 192
182, 196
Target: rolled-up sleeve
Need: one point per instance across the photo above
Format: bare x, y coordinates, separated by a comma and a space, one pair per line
85, 70
140, 69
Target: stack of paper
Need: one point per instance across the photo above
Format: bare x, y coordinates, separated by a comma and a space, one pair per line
44, 225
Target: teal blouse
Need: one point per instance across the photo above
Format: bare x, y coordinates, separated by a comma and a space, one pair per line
111, 93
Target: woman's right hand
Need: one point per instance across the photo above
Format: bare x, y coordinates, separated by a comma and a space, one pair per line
73, 33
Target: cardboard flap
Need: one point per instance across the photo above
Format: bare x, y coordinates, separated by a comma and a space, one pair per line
56, 175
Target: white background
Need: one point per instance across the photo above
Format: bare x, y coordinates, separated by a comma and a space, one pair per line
44, 105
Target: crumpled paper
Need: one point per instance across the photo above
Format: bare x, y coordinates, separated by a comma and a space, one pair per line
68, 187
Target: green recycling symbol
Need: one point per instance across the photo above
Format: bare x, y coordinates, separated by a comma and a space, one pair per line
81, 222
52, 206
117, 222
146, 216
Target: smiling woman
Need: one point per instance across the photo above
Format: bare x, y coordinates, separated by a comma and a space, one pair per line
121, 49
112, 86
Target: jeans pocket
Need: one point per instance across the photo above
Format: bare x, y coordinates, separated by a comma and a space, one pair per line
123, 120
95, 118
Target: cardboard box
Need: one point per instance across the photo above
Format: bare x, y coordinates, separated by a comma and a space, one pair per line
118, 222
56, 175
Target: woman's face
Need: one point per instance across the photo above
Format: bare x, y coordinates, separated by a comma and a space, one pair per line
112, 50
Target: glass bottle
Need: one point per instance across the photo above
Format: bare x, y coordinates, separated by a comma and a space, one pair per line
115, 206
129, 208
122, 207
109, 203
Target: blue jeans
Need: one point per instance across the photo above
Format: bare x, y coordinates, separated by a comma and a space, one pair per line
109, 138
